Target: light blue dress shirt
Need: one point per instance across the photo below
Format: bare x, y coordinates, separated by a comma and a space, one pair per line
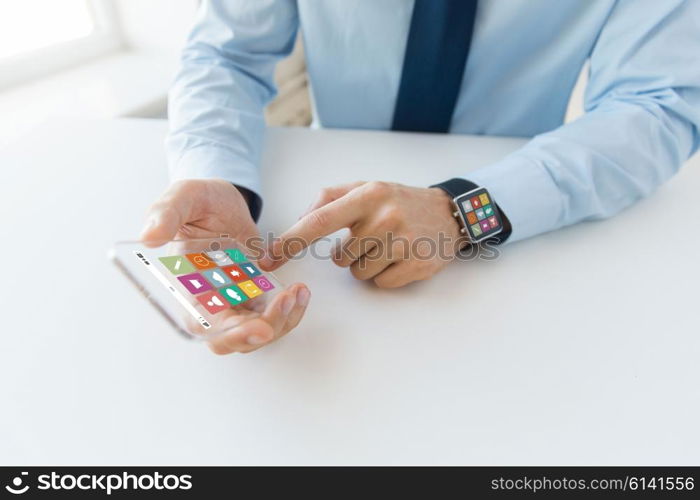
642, 101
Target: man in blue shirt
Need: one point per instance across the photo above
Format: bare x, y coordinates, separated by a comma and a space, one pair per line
519, 62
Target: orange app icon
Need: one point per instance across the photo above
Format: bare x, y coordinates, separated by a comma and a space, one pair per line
250, 289
471, 218
200, 261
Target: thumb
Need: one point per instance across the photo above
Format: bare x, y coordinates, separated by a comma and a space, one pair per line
166, 217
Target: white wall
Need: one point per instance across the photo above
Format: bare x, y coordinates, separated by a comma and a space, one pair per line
156, 24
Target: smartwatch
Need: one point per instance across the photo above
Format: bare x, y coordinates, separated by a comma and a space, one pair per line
477, 213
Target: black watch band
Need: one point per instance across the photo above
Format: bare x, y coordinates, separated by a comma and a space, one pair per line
456, 187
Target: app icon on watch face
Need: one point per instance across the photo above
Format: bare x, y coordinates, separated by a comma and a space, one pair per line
485, 226
484, 199
480, 214
476, 203
493, 222
467, 206
471, 218
476, 230
488, 210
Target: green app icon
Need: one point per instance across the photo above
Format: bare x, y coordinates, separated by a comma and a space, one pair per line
488, 210
236, 255
177, 264
233, 294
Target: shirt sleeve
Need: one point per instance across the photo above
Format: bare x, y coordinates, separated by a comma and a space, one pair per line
226, 78
642, 117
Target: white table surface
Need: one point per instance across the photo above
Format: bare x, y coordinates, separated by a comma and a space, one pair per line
583, 349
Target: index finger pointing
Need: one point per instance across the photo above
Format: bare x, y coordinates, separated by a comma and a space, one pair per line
328, 219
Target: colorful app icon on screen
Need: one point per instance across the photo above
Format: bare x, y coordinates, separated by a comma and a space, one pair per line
200, 261
213, 302
250, 269
217, 277
250, 289
488, 210
219, 257
476, 203
177, 264
471, 218
467, 206
263, 283
235, 273
236, 255
485, 226
195, 283
476, 230
233, 294
484, 199
480, 214
493, 222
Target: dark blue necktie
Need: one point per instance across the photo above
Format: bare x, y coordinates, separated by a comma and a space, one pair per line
436, 53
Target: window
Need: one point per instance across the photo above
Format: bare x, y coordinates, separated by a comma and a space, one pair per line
41, 36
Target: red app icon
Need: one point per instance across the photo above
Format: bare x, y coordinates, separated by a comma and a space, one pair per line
493, 222
213, 302
200, 261
235, 273
475, 202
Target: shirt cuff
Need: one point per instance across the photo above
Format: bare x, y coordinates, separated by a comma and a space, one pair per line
212, 162
525, 191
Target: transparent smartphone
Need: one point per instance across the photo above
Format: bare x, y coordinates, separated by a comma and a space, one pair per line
203, 287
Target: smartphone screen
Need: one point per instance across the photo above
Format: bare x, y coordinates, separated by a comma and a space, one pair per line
202, 286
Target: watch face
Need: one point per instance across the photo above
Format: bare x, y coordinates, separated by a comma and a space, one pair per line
480, 215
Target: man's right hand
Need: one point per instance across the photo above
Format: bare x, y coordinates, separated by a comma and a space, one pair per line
209, 208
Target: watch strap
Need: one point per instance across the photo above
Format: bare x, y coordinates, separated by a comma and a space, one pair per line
455, 187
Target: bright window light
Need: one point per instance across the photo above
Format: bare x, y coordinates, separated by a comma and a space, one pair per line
28, 25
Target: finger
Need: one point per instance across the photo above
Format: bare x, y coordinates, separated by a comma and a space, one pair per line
276, 315
330, 194
303, 298
379, 258
370, 264
397, 275
361, 241
341, 213
255, 333
235, 339
167, 215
